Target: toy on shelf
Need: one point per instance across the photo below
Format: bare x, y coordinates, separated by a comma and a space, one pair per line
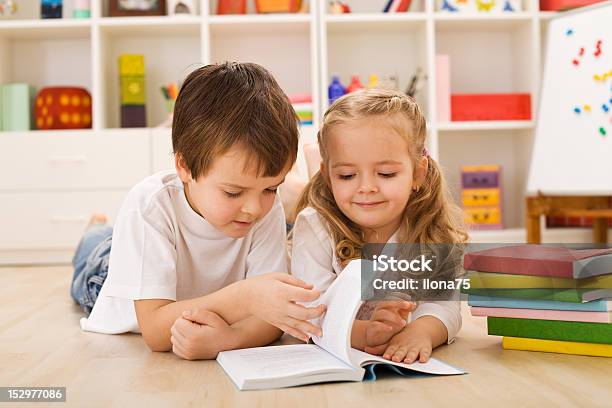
182, 7
81, 9
373, 81
50, 9
170, 93
397, 6
15, 107
335, 89
491, 107
231, 7
63, 108
338, 7
481, 196
302, 104
355, 84
119, 8
8, 7
278, 6
479, 6
132, 86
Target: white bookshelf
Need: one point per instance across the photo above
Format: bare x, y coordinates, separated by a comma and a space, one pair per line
488, 53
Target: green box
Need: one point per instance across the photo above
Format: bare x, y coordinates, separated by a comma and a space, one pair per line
131, 65
132, 90
16, 106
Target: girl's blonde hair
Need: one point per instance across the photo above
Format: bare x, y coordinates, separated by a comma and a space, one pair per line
430, 217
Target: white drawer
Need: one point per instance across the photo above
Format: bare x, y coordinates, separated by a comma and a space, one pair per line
74, 160
52, 219
162, 149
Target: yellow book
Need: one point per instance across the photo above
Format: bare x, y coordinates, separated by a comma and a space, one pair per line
486, 280
555, 346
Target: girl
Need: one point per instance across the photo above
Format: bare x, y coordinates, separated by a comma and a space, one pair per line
377, 184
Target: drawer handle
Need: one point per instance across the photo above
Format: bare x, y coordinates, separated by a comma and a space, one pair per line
76, 218
67, 159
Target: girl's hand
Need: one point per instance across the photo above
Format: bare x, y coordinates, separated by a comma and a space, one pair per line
411, 343
200, 334
388, 319
272, 297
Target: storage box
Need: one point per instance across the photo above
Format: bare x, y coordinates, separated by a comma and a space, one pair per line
131, 65
557, 5
132, 90
278, 6
63, 108
491, 107
133, 116
16, 107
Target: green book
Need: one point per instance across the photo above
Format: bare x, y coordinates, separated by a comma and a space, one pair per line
560, 295
550, 329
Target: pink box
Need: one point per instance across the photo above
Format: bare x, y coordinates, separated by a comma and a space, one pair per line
443, 90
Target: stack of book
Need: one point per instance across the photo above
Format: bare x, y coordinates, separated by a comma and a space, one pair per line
544, 298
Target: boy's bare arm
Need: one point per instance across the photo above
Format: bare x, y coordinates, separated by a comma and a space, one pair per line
203, 335
270, 297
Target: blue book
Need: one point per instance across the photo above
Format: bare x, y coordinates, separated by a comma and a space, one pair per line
601, 305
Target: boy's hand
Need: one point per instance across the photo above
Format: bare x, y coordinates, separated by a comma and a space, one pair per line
272, 297
388, 319
200, 334
411, 343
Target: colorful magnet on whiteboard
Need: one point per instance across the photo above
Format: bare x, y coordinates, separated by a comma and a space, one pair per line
577, 110
575, 62
581, 53
602, 131
587, 108
605, 108
569, 32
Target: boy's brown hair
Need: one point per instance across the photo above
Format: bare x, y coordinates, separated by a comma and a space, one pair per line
223, 105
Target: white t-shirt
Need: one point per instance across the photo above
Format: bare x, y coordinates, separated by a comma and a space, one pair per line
314, 260
163, 249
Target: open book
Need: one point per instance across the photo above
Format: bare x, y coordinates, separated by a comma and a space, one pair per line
331, 358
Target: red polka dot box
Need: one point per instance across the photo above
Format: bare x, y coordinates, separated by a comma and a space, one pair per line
62, 108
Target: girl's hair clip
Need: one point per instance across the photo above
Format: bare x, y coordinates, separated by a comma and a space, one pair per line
425, 152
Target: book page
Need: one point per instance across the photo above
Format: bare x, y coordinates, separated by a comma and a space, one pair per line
343, 299
278, 361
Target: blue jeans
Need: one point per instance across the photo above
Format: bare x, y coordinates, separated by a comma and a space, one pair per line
90, 264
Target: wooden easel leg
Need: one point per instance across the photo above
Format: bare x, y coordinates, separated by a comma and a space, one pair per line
600, 230
533, 230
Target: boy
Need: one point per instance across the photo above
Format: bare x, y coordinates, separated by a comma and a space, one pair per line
184, 241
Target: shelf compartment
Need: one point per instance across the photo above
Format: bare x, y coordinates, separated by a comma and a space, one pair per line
171, 51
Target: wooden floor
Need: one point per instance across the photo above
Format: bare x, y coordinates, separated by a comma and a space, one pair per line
42, 345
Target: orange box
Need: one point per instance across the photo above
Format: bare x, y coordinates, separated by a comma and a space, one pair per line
278, 6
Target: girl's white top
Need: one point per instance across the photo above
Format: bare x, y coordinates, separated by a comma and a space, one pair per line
314, 260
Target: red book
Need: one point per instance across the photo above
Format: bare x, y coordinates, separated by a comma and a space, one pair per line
541, 260
491, 107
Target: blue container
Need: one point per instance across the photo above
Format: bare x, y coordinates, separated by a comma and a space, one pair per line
335, 90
